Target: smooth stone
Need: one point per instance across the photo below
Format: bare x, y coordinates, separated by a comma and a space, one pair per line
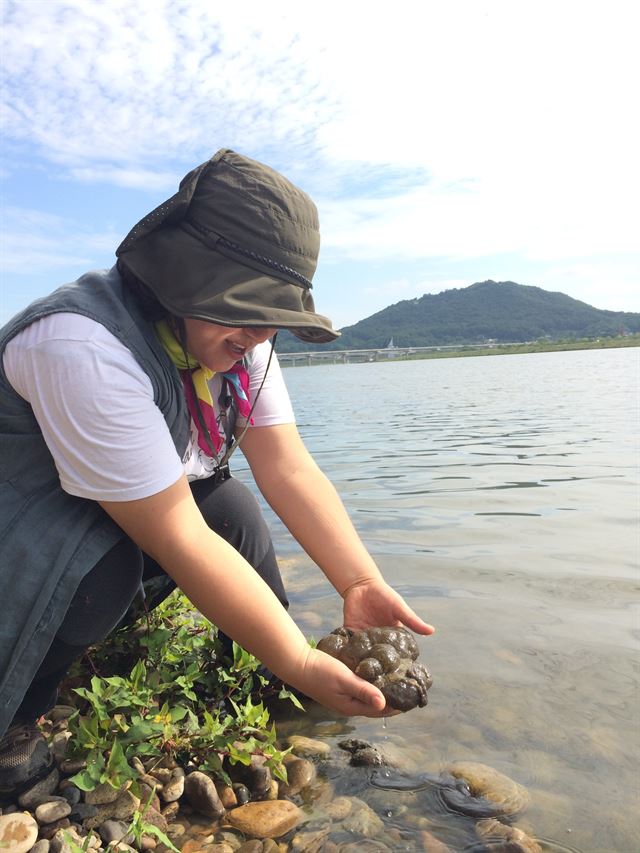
71, 794
308, 746
175, 830
300, 773
82, 811
148, 842
32, 797
200, 792
363, 820
513, 840
228, 796
339, 808
59, 744
102, 794
431, 844
18, 832
162, 774
487, 783
112, 831
266, 819
155, 818
193, 845
242, 793
310, 842
174, 787
41, 846
52, 811
73, 765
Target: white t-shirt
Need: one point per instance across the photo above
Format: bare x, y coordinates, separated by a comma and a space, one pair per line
94, 405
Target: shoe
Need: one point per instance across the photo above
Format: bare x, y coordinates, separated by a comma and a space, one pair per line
25, 758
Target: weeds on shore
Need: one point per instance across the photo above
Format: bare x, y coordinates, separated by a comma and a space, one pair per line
163, 688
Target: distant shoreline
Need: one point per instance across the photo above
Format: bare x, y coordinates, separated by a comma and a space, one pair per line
465, 351
517, 349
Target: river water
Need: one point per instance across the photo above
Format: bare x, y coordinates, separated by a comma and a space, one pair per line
500, 496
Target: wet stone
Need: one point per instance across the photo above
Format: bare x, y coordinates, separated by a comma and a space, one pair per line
242, 793
306, 746
18, 833
267, 819
300, 773
228, 796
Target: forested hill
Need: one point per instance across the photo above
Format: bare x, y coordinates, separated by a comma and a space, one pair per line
498, 310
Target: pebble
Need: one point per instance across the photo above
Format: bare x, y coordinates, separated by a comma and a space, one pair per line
18, 833
300, 773
174, 786
242, 793
33, 796
71, 794
339, 808
41, 846
52, 811
431, 844
308, 746
266, 819
228, 796
363, 820
115, 830
201, 793
82, 811
59, 744
168, 812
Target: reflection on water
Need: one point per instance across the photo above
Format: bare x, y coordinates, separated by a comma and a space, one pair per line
499, 496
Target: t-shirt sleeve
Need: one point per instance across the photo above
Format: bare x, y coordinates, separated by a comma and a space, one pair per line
95, 407
274, 405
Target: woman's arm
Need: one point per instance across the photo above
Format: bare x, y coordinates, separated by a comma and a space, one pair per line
224, 587
309, 505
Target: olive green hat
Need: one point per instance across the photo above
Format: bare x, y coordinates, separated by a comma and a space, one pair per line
236, 245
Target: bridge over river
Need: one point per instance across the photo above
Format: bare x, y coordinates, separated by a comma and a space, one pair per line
349, 356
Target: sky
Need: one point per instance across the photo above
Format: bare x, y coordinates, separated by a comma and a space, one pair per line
444, 143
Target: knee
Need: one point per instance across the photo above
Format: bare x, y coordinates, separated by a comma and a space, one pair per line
103, 596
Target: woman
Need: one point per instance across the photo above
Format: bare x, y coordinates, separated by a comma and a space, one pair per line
119, 394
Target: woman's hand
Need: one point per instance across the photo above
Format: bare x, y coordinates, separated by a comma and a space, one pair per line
332, 684
373, 603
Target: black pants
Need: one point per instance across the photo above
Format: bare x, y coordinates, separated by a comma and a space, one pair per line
107, 592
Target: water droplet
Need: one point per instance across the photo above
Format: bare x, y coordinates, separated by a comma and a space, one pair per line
384, 722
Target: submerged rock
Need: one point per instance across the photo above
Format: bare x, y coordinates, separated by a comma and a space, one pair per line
385, 657
269, 819
480, 791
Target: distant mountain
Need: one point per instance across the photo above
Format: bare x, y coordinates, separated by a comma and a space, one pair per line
498, 310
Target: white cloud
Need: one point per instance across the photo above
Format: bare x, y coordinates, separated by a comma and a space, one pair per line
36, 242
455, 130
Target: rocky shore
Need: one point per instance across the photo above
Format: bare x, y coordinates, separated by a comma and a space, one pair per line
254, 814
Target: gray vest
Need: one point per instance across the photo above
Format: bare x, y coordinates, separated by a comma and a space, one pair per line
49, 539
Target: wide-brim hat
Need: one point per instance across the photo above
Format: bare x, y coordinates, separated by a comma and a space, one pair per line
236, 245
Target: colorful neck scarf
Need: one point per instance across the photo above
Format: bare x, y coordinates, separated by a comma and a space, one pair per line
237, 377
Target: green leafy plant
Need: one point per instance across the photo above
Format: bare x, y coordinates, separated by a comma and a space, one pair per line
163, 688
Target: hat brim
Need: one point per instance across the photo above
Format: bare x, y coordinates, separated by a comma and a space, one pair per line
215, 288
